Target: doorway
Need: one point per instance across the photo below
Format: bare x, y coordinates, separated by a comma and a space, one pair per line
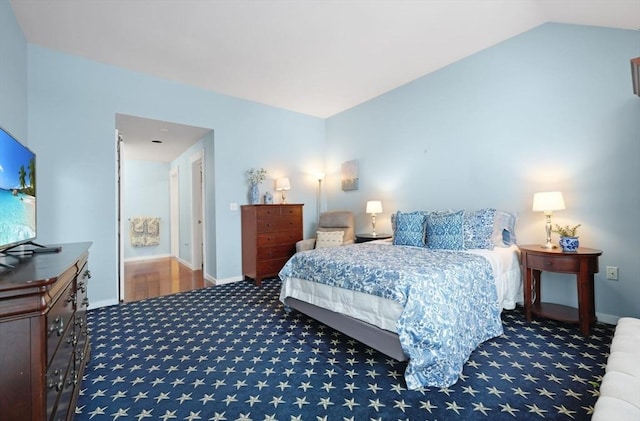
197, 220
152, 157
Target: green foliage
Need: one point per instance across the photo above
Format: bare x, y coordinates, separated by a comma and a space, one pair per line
256, 176
566, 231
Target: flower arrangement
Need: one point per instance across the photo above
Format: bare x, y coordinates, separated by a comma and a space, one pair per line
256, 176
566, 231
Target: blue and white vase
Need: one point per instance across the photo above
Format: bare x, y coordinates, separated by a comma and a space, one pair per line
569, 244
254, 195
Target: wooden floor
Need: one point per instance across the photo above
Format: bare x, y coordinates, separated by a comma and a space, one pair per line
153, 278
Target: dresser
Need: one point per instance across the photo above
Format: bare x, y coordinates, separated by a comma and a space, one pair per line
44, 340
269, 236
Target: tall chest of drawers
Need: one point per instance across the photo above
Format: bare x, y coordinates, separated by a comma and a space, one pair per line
44, 340
269, 236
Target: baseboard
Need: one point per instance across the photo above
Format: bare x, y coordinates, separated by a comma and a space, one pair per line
102, 303
607, 318
143, 258
210, 279
228, 280
185, 263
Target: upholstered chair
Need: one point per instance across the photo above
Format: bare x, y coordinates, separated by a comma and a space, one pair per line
330, 222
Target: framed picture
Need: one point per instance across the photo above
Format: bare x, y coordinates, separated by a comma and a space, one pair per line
350, 180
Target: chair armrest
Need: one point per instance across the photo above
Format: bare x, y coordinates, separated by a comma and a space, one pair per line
307, 244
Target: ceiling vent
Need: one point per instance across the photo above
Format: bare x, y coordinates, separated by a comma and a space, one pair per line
635, 75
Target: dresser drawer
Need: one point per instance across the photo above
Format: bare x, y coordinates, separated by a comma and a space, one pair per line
60, 316
58, 389
278, 210
555, 264
282, 237
271, 267
280, 223
276, 252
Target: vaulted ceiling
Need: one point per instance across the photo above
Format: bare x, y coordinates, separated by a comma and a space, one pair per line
310, 56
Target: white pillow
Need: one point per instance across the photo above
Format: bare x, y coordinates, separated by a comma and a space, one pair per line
329, 238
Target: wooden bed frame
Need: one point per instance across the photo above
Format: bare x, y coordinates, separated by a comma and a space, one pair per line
379, 339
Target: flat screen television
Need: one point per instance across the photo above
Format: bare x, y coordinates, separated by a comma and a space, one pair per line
17, 192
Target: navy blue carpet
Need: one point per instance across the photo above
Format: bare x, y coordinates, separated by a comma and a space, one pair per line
231, 352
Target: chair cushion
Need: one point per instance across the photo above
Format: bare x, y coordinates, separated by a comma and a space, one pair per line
343, 220
329, 238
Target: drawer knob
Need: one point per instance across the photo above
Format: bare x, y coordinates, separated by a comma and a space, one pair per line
72, 299
57, 384
57, 326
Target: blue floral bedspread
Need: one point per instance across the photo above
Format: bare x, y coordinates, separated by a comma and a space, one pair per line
449, 299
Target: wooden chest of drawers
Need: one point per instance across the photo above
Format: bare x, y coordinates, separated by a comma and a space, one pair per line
269, 236
44, 341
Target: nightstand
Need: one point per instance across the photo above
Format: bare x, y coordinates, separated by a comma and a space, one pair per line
365, 238
583, 263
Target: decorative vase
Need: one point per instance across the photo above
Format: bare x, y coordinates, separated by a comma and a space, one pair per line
569, 244
254, 195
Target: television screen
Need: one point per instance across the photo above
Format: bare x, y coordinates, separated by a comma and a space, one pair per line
17, 192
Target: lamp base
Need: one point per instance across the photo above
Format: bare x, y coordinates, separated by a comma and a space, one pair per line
549, 246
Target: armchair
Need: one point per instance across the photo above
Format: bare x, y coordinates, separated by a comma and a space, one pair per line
332, 221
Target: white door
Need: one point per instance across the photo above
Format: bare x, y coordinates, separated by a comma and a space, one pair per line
197, 205
174, 198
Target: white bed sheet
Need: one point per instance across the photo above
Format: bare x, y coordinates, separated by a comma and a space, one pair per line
383, 312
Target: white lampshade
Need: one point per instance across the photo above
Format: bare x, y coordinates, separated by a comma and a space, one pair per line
548, 202
374, 206
283, 184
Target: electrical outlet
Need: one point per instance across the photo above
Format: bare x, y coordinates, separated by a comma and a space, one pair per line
612, 273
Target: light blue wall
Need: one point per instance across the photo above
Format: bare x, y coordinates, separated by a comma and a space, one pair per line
145, 192
13, 75
551, 109
73, 103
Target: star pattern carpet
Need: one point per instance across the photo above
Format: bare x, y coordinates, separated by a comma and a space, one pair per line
232, 352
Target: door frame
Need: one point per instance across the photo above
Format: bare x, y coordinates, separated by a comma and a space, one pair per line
174, 210
198, 228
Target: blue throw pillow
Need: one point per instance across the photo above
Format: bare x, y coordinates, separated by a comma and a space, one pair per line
409, 229
478, 229
446, 231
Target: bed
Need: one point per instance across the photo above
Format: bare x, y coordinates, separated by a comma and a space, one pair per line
432, 307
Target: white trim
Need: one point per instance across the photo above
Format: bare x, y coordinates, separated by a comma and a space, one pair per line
609, 319
198, 259
150, 257
184, 262
120, 225
228, 280
103, 303
174, 210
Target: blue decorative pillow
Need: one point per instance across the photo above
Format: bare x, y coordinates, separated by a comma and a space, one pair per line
446, 231
504, 229
409, 229
478, 229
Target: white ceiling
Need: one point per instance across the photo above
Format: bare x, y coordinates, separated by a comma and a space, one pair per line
140, 136
310, 56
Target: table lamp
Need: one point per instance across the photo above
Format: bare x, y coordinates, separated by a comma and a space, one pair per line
547, 202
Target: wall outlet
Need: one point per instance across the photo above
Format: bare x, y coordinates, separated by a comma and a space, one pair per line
612, 273
233, 206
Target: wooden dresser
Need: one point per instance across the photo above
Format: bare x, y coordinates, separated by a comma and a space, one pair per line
269, 236
44, 341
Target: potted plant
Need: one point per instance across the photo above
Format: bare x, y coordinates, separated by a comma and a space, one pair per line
568, 238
